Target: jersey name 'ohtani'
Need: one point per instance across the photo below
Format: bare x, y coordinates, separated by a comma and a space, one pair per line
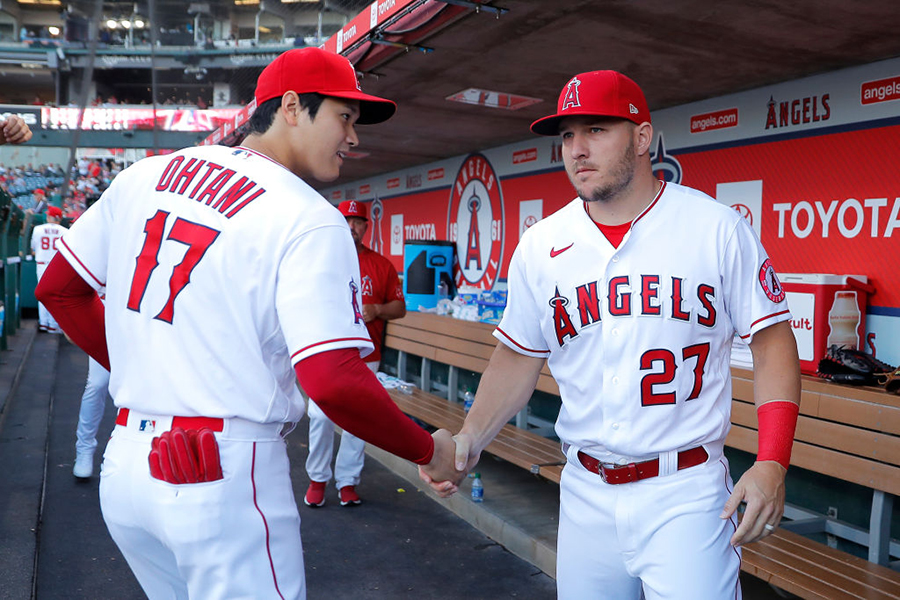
653, 295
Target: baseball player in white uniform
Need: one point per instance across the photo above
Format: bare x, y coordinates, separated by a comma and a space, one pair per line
632, 293
228, 278
44, 239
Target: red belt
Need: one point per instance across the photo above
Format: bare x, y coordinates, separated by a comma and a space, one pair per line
642, 470
183, 422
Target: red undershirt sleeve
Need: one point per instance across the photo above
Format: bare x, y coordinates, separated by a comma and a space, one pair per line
76, 307
351, 396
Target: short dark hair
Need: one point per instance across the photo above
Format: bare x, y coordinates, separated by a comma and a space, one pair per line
264, 115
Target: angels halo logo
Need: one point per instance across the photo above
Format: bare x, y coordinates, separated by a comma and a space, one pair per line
475, 223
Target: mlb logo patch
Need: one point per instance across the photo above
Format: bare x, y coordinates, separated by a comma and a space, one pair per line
147, 425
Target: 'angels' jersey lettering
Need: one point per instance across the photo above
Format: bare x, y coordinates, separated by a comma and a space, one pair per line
639, 337
218, 284
620, 301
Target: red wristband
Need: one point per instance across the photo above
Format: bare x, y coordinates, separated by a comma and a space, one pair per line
777, 422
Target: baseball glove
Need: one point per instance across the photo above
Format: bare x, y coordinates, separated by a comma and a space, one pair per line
843, 365
891, 381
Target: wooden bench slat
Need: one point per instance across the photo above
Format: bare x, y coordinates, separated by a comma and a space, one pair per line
473, 330
878, 411
441, 330
879, 417
410, 347
840, 571
867, 444
789, 579
864, 472
454, 344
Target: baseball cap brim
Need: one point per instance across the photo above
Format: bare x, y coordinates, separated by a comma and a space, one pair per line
372, 109
550, 125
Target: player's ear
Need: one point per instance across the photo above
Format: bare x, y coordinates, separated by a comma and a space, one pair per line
643, 135
291, 108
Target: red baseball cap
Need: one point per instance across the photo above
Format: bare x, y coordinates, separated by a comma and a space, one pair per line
54, 211
352, 208
597, 93
307, 70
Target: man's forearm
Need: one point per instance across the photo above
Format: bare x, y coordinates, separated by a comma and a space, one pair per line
395, 309
776, 365
506, 387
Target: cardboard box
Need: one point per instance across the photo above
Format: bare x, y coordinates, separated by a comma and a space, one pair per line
825, 310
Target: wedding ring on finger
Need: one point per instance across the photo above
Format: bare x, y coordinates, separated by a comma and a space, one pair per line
769, 527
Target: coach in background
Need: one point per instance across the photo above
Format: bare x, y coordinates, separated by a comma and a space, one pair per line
13, 130
228, 278
633, 293
382, 301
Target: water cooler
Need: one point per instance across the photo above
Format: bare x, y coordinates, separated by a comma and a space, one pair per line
427, 273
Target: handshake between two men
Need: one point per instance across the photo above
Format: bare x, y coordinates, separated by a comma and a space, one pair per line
443, 475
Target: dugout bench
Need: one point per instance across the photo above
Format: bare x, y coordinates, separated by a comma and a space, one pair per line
846, 433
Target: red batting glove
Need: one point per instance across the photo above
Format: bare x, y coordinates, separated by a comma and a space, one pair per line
208, 453
153, 458
185, 460
180, 456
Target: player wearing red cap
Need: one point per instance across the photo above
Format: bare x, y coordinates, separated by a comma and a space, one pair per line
214, 310
632, 294
382, 300
43, 246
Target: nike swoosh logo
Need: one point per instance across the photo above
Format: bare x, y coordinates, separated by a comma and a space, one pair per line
554, 253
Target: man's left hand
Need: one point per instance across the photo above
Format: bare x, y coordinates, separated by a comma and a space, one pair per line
370, 312
762, 488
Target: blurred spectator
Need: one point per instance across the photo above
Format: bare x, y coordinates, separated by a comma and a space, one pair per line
40, 201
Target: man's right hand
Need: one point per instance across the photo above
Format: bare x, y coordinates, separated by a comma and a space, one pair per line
443, 484
14, 130
441, 473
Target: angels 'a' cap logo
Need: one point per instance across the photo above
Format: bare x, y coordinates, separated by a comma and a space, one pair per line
571, 100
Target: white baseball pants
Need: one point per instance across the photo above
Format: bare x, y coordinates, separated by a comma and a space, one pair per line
93, 403
238, 537
351, 454
661, 536
45, 319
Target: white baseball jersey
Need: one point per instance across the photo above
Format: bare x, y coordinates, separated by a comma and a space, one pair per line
638, 337
222, 270
44, 239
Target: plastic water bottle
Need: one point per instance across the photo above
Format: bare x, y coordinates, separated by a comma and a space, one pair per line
468, 399
477, 489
